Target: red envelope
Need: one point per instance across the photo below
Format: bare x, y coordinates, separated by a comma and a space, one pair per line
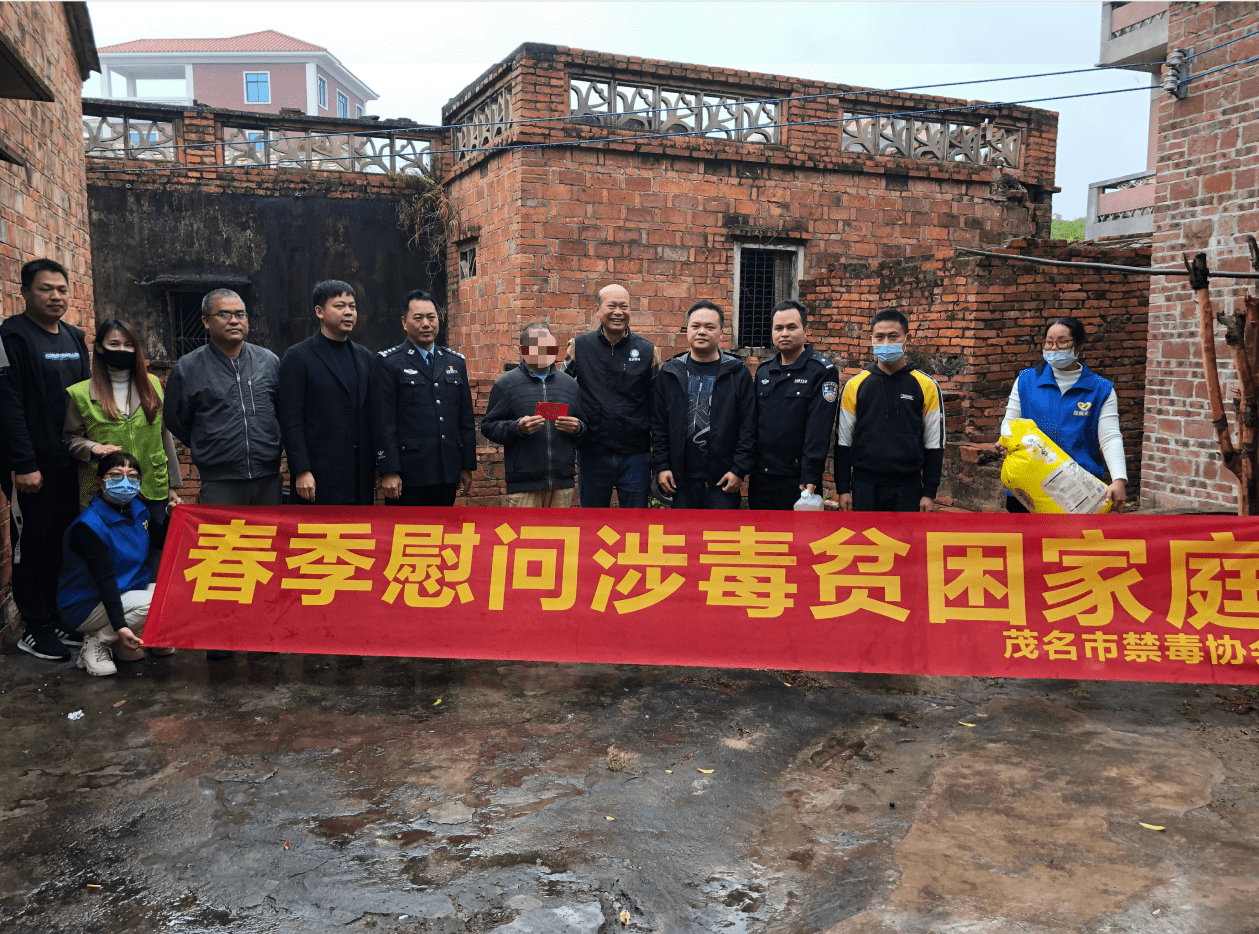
551, 410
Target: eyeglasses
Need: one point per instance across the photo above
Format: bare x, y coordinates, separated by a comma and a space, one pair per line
1059, 345
229, 315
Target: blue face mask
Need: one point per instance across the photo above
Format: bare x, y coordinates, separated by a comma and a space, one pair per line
889, 353
1060, 359
121, 490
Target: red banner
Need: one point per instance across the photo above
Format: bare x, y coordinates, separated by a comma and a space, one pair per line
1147, 598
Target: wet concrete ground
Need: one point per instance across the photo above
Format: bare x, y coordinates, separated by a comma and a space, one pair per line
310, 793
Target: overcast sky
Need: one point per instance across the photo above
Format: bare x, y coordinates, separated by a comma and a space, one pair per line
416, 56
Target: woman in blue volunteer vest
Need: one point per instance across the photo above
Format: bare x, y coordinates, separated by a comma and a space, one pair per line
1075, 407
105, 590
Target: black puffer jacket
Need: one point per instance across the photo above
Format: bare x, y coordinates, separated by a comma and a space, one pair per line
544, 460
224, 410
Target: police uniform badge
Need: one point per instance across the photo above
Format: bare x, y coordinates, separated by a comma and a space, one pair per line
830, 391
634, 353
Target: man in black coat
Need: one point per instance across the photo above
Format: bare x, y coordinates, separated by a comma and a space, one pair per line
41, 357
323, 406
422, 419
703, 418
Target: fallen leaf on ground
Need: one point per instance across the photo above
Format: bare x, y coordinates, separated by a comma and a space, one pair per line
964, 723
981, 715
286, 844
609, 818
93, 885
624, 916
436, 702
1150, 826
706, 771
120, 703
668, 771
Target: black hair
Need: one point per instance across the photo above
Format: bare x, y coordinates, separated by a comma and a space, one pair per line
34, 267
118, 459
1079, 337
792, 305
532, 328
330, 288
891, 314
705, 305
416, 295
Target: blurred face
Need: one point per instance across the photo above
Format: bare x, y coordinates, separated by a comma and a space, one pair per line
116, 340
614, 309
540, 350
1059, 337
227, 321
48, 298
421, 323
118, 473
703, 331
788, 331
887, 332
337, 316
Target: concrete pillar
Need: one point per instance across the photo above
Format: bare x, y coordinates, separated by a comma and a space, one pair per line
107, 82
131, 86
189, 92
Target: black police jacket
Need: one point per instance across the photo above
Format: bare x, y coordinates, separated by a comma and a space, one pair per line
795, 412
615, 382
422, 420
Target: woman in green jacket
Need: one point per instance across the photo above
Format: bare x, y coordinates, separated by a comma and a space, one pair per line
120, 409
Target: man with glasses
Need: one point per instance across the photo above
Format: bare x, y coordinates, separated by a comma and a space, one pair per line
535, 414
221, 403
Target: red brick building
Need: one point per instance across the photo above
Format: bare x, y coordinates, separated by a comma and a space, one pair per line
1207, 200
772, 192
43, 191
263, 72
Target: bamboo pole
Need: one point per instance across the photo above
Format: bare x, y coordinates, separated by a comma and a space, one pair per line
1199, 281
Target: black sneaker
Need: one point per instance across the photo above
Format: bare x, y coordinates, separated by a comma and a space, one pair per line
43, 643
69, 638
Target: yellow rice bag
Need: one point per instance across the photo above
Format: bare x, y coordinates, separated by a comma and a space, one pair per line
1043, 477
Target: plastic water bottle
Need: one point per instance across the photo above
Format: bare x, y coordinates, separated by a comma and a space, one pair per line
808, 502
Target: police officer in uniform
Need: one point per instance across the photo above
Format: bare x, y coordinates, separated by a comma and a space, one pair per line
422, 419
797, 391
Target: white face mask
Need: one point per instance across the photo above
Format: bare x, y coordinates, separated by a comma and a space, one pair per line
1059, 359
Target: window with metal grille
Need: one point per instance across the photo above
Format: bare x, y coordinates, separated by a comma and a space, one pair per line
766, 277
187, 333
467, 261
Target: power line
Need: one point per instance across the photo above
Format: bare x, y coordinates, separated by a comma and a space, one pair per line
636, 137
1142, 270
391, 131
1220, 46
1249, 61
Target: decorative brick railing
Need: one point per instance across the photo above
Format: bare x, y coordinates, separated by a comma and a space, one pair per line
174, 134
483, 125
652, 108
981, 142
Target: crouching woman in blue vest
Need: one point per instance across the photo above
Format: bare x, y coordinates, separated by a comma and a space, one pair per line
1075, 407
104, 592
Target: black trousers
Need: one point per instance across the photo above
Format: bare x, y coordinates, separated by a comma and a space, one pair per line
769, 492
874, 497
441, 494
37, 548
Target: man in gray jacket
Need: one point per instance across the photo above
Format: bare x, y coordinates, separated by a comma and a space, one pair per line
221, 403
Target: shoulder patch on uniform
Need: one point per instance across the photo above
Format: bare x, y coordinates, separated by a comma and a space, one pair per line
388, 351
455, 352
824, 360
830, 391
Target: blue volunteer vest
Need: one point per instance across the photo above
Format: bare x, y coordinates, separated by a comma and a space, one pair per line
1069, 418
128, 539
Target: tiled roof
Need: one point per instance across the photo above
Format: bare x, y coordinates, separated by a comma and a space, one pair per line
266, 41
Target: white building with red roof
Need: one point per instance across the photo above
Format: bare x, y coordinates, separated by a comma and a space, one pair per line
261, 71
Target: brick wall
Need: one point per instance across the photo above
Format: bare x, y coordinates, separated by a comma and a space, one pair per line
1207, 200
551, 226
975, 322
43, 210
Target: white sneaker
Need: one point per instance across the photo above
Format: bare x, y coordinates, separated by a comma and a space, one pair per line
95, 656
